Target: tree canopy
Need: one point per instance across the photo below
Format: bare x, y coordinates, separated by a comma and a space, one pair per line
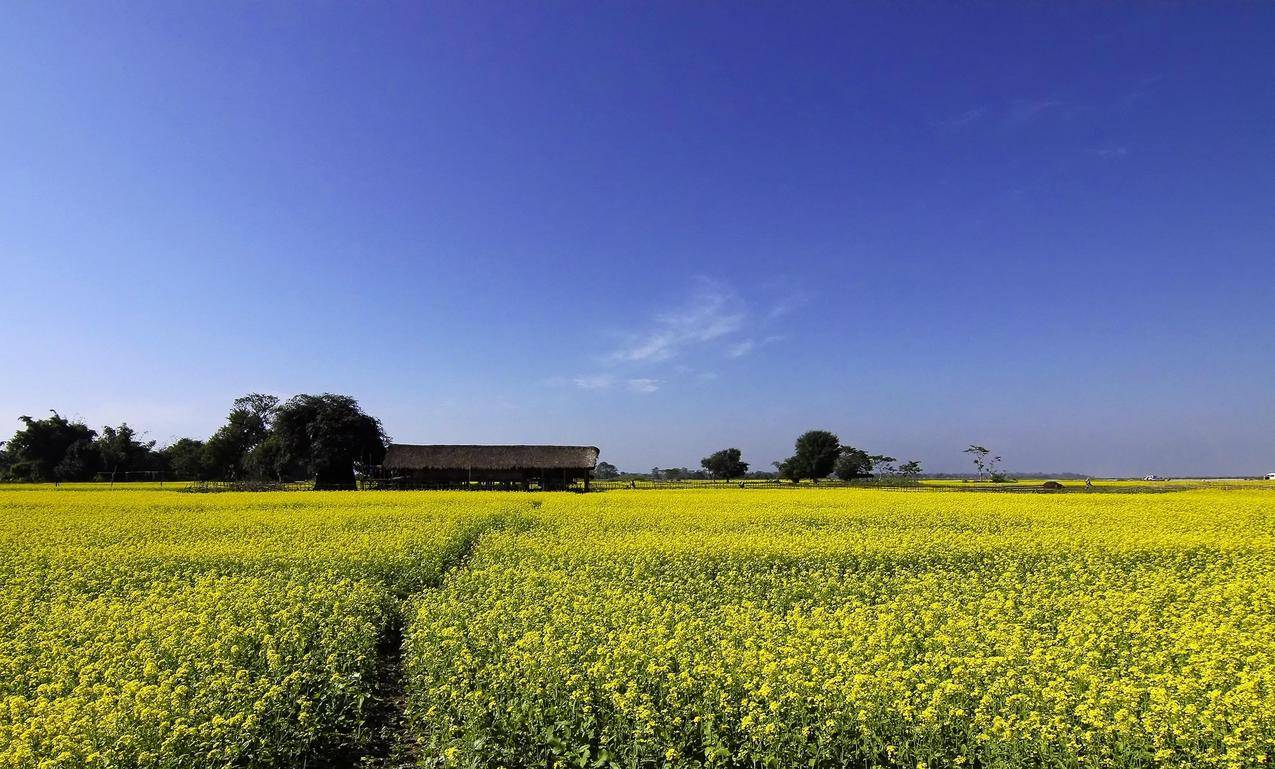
120, 450
910, 469
725, 464
318, 436
247, 426
36, 451
853, 463
815, 456
326, 435
606, 471
185, 458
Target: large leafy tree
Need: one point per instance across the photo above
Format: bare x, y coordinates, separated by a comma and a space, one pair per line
121, 451
247, 425
38, 448
853, 463
325, 435
80, 462
787, 470
185, 458
725, 464
816, 453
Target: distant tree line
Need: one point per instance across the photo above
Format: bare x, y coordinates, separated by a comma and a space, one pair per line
264, 439
58, 449
325, 437
818, 454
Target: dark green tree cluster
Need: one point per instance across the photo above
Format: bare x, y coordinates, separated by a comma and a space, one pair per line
725, 464
308, 436
58, 449
323, 437
678, 474
819, 454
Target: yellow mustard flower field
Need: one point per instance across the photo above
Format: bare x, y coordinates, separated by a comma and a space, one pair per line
704, 627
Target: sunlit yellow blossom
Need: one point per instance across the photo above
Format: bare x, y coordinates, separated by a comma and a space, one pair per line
856, 627
696, 628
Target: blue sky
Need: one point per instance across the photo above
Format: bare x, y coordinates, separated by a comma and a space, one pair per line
659, 228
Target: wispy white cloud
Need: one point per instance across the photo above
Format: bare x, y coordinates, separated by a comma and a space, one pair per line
594, 381
713, 321
1014, 115
785, 305
967, 117
713, 311
1024, 112
746, 346
600, 382
740, 349
1110, 153
692, 373
644, 385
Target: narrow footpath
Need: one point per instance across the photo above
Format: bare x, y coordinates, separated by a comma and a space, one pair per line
389, 742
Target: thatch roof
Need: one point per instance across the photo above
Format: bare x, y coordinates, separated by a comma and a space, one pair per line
405, 456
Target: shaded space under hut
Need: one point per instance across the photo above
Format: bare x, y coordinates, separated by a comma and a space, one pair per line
543, 468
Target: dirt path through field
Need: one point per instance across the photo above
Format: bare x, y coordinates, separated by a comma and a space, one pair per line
390, 741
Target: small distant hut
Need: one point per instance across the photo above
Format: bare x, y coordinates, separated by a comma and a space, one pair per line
549, 468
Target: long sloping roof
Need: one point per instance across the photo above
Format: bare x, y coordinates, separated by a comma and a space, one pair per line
406, 456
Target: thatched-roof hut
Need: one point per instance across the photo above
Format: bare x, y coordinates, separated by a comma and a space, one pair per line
524, 467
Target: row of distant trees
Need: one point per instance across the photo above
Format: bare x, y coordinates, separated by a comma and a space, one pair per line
817, 454
59, 449
263, 439
324, 437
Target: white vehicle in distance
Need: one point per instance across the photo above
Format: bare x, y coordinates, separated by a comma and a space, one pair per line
1153, 478
1270, 476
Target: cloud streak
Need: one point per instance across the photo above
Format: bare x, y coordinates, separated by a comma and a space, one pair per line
786, 305
1110, 153
746, 346
604, 382
712, 322
643, 385
712, 313
1015, 115
1025, 112
594, 382
968, 117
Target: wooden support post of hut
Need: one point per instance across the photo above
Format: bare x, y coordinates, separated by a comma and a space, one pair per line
511, 467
